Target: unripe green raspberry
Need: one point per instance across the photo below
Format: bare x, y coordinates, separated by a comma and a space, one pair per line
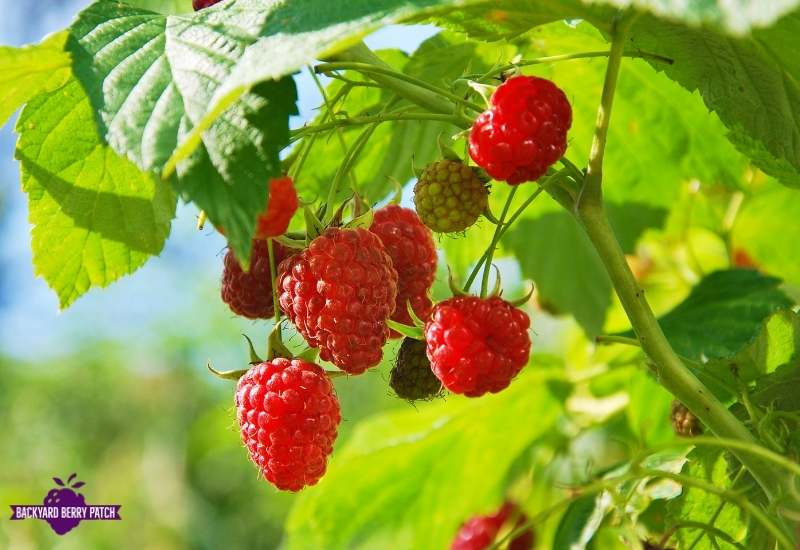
412, 377
450, 196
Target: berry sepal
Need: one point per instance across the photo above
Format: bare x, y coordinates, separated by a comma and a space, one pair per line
226, 374
519, 302
405, 330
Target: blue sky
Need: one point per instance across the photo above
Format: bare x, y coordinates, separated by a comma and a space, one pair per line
176, 292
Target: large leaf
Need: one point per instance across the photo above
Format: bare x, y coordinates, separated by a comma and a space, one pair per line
723, 313
96, 216
447, 463
151, 77
31, 70
698, 506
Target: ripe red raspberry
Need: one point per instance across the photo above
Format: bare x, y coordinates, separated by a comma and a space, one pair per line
477, 345
281, 207
339, 293
450, 196
289, 415
249, 294
202, 4
481, 531
412, 250
523, 132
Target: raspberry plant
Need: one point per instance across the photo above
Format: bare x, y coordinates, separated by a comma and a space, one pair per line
651, 142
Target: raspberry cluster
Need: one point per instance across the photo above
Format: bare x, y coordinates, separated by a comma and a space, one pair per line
477, 345
339, 293
412, 378
523, 132
480, 532
289, 415
249, 293
410, 245
450, 196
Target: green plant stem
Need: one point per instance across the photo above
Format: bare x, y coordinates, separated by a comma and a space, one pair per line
273, 273
609, 339
346, 166
710, 530
498, 231
726, 444
416, 91
372, 70
504, 228
329, 113
671, 371
731, 496
570, 56
376, 119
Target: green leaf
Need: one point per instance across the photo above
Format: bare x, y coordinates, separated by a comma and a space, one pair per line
151, 78
31, 70
723, 313
96, 216
505, 18
447, 459
580, 522
767, 229
699, 506
776, 343
570, 275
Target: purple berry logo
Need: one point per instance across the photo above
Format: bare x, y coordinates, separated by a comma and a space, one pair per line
64, 507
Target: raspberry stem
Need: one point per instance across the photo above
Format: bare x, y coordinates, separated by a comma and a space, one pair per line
372, 70
671, 371
568, 57
376, 119
416, 92
504, 227
273, 273
487, 266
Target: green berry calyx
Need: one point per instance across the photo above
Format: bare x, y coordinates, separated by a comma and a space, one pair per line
450, 196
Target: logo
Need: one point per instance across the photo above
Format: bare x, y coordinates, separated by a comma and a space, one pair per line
64, 508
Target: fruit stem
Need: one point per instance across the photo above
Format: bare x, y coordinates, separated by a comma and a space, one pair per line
591, 193
273, 273
359, 121
570, 56
487, 266
671, 371
503, 229
372, 70
610, 339
415, 90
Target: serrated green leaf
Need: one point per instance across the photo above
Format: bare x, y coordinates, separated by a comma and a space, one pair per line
151, 77
507, 18
96, 216
699, 506
448, 459
723, 313
776, 343
31, 70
